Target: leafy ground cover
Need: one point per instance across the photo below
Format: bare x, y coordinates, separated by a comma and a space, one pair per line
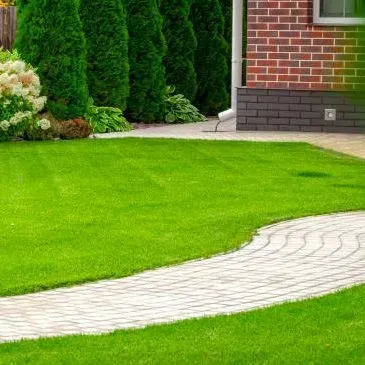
328, 330
76, 211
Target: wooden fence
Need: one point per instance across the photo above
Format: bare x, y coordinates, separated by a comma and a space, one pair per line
7, 26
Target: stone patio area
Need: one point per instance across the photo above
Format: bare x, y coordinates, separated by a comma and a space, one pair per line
351, 144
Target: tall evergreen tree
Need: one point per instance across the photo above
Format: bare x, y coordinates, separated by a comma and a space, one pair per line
50, 38
181, 46
211, 56
20, 4
105, 29
227, 14
147, 48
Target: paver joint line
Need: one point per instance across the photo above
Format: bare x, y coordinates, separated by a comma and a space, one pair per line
325, 254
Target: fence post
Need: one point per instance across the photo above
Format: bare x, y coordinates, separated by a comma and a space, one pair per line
7, 26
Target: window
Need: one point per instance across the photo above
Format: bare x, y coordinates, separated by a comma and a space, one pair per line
340, 12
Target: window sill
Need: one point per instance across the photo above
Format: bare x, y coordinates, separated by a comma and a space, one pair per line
350, 22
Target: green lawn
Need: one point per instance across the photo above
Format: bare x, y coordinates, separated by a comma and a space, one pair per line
329, 330
82, 210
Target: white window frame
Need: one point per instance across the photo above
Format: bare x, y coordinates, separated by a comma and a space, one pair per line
321, 20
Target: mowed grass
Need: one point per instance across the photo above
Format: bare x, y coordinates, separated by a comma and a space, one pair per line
83, 210
328, 330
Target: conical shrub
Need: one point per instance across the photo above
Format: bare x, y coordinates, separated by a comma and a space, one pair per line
211, 56
181, 47
50, 38
105, 29
147, 48
226, 6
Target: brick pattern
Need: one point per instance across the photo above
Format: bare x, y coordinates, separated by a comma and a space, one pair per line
285, 51
285, 262
298, 110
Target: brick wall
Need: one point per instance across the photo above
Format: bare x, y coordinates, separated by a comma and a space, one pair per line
284, 51
299, 110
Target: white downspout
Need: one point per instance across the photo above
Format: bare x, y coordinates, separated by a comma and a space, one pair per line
237, 30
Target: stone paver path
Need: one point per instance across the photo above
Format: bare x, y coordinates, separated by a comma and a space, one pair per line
286, 261
352, 144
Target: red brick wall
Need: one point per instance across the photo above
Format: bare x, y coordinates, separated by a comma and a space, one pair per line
284, 51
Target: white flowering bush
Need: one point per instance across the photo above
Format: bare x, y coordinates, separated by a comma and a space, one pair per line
20, 100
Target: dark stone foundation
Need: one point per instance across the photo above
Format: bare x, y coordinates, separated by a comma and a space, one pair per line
289, 110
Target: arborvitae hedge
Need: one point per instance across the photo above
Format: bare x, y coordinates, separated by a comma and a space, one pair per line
50, 38
20, 4
146, 51
105, 29
211, 56
227, 13
181, 46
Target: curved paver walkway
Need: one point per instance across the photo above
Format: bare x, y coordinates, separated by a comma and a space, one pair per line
286, 261
351, 144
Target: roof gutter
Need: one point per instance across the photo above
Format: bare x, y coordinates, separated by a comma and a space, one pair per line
237, 34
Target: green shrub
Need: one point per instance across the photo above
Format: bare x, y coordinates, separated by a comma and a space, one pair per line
180, 110
181, 46
106, 119
72, 129
211, 56
226, 6
50, 38
39, 130
146, 51
105, 29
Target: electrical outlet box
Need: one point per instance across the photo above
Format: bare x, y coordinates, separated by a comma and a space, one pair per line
330, 114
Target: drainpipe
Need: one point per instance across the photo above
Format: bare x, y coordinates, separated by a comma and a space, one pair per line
237, 30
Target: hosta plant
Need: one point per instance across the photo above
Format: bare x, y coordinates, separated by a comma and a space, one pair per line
106, 119
20, 99
180, 110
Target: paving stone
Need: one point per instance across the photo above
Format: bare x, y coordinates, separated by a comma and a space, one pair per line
287, 261
352, 144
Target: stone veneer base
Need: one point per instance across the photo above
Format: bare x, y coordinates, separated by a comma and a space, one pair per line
299, 110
